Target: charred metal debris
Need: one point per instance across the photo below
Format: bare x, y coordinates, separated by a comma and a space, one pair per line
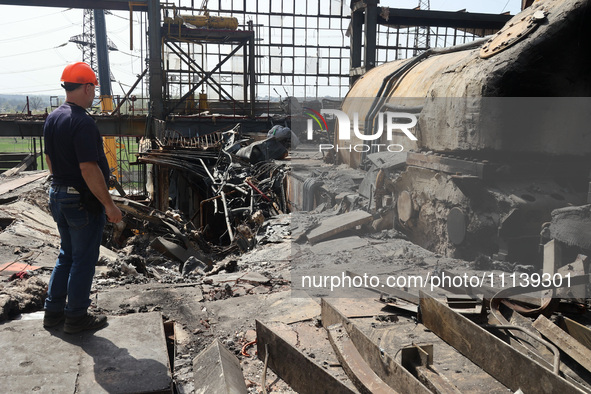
221, 188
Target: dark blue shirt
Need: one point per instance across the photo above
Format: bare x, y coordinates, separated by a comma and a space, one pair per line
72, 137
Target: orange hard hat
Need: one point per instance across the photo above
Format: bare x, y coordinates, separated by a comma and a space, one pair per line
79, 73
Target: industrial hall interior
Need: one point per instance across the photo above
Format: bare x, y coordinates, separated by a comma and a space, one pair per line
315, 196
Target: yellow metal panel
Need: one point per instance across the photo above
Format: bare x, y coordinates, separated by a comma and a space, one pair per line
110, 146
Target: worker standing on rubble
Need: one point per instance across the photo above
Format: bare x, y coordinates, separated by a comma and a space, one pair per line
78, 199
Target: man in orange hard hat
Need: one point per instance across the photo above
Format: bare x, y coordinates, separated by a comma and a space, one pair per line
78, 199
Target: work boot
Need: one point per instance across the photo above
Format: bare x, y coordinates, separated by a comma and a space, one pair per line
52, 319
76, 324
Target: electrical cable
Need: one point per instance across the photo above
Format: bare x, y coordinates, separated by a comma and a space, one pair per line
35, 17
40, 33
32, 69
31, 52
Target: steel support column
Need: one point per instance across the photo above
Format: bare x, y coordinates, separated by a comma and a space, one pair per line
102, 52
356, 42
371, 24
155, 61
251, 70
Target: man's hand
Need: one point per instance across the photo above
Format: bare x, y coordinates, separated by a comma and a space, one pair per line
96, 183
114, 214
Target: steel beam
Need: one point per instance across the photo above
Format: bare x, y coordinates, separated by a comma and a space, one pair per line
384, 366
203, 80
251, 71
155, 62
123, 5
307, 377
371, 31
102, 52
509, 366
360, 373
457, 20
196, 68
564, 341
356, 41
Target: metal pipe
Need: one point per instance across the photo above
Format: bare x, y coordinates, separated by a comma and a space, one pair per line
230, 233
207, 170
258, 191
201, 210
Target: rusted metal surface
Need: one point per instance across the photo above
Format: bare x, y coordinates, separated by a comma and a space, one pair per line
509, 366
418, 359
297, 370
452, 87
217, 371
359, 372
578, 331
384, 365
513, 32
565, 342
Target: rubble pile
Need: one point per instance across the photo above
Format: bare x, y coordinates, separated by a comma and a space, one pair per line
235, 194
22, 296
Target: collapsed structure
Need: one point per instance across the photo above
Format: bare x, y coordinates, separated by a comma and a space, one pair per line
491, 179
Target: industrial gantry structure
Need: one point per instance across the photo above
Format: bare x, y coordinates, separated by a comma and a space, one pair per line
208, 70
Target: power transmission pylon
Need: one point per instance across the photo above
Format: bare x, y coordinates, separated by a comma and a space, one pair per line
86, 41
422, 33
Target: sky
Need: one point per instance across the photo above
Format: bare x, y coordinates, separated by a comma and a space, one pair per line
35, 47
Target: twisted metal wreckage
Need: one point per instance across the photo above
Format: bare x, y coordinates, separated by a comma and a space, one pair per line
226, 185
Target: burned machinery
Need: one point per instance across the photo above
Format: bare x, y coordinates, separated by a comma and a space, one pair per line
502, 134
225, 196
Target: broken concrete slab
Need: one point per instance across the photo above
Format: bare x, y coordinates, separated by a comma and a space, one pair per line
254, 278
238, 313
20, 181
388, 160
340, 244
174, 251
127, 356
186, 298
217, 371
337, 224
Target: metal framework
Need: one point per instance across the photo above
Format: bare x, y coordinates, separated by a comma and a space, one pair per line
382, 34
187, 71
301, 48
422, 33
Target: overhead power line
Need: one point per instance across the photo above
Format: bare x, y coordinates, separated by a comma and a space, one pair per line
37, 34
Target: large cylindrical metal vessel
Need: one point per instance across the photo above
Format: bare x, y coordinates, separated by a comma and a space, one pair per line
502, 136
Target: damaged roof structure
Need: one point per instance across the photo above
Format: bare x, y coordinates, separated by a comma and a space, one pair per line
428, 233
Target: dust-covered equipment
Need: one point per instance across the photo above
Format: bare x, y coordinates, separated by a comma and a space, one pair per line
502, 132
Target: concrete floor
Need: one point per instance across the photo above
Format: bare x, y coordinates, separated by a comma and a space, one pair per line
127, 356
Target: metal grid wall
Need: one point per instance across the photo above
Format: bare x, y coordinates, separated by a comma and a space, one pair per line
301, 48
132, 177
394, 43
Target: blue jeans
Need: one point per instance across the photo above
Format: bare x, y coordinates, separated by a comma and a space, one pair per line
81, 233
